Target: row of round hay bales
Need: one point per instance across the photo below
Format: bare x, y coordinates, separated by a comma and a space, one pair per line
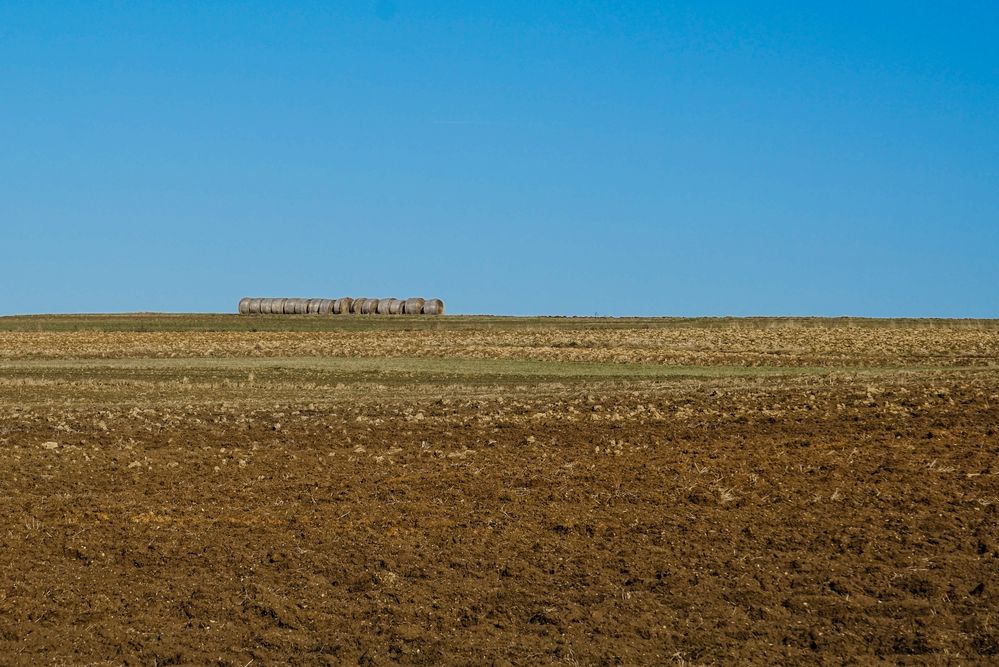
342, 306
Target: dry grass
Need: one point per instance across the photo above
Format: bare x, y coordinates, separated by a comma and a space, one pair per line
763, 343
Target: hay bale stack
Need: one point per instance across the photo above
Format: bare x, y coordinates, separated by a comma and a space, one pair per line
433, 307
341, 306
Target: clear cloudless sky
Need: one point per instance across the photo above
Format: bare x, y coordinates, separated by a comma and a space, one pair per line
515, 157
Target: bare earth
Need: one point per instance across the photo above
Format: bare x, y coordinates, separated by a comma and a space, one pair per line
301, 490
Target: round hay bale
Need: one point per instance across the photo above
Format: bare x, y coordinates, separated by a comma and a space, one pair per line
312, 306
265, 306
395, 307
244, 305
325, 306
300, 306
412, 306
277, 306
343, 306
370, 307
254, 306
289, 307
385, 306
357, 304
433, 307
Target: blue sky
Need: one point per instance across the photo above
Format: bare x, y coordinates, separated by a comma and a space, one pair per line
626, 158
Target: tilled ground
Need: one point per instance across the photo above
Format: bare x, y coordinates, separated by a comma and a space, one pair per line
828, 517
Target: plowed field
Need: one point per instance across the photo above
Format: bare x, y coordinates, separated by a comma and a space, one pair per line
295, 490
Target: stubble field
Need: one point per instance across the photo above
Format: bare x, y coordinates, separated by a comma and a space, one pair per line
301, 490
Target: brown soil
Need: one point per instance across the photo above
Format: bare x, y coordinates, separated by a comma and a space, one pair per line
824, 518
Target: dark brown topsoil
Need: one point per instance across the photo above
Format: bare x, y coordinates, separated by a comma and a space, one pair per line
813, 524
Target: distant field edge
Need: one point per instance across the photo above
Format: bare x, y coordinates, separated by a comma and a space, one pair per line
140, 322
